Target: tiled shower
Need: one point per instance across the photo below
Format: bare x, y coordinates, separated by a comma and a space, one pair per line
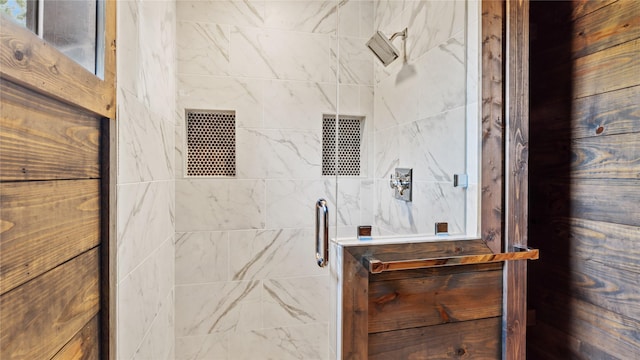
246, 285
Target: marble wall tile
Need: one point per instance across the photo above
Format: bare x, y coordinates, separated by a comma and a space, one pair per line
276, 54
397, 100
291, 203
298, 105
388, 11
435, 147
157, 55
356, 62
178, 163
146, 88
204, 309
431, 23
349, 101
367, 9
443, 80
272, 154
159, 341
366, 202
219, 204
245, 96
206, 52
316, 16
307, 342
202, 257
349, 200
387, 155
432, 202
272, 254
127, 37
233, 12
145, 218
349, 18
474, 142
212, 346
472, 225
145, 142
295, 301
144, 298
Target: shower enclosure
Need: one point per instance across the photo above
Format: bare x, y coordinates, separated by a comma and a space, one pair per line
281, 103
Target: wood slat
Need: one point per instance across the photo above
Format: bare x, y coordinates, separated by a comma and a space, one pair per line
32, 62
611, 113
609, 26
417, 302
581, 8
608, 70
40, 317
592, 261
43, 139
594, 282
43, 224
559, 345
491, 216
611, 157
615, 334
585, 184
478, 339
611, 244
85, 345
612, 201
516, 178
354, 308
428, 272
421, 249
375, 265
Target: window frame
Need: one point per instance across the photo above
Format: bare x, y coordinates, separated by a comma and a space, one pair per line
30, 61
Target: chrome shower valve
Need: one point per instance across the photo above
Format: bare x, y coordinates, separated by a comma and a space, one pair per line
401, 183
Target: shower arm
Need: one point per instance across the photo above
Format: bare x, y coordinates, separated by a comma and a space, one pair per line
402, 33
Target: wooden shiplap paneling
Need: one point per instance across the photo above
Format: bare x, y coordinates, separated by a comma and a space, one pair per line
585, 171
581, 8
43, 224
436, 299
85, 345
606, 200
614, 24
41, 316
599, 157
612, 334
354, 308
610, 113
478, 339
43, 139
611, 69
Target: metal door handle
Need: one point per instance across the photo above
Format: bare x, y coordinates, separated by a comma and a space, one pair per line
322, 241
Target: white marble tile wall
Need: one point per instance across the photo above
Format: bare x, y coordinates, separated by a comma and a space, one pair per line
145, 227
420, 116
247, 285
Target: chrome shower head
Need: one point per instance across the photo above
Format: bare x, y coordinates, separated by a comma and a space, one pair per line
383, 48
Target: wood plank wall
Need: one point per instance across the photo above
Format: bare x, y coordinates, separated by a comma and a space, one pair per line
434, 313
50, 217
585, 180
